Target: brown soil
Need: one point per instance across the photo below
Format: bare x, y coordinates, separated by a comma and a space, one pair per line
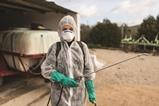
133, 83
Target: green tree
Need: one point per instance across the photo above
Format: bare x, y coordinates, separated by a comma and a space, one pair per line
85, 32
106, 34
124, 28
148, 28
157, 23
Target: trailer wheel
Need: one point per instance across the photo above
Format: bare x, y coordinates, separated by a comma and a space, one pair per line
1, 81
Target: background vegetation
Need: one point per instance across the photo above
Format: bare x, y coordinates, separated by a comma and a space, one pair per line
108, 34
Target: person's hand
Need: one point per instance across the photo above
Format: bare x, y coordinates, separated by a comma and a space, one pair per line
92, 98
91, 91
69, 82
63, 80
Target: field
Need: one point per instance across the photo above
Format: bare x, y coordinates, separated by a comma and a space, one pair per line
133, 83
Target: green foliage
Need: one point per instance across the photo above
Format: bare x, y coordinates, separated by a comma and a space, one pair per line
157, 21
106, 34
149, 28
85, 32
92, 45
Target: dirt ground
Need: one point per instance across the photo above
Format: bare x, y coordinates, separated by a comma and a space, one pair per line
133, 83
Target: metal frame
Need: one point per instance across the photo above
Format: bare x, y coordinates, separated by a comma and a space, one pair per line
141, 41
131, 44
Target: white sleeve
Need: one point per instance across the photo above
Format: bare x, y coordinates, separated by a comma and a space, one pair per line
88, 63
49, 63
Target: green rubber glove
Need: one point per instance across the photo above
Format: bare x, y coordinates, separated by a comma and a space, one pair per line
63, 80
91, 91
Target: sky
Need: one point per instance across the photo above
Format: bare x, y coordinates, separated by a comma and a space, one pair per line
131, 12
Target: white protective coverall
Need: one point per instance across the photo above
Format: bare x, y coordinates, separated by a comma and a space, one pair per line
70, 62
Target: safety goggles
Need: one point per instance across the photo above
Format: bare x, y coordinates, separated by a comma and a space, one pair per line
67, 27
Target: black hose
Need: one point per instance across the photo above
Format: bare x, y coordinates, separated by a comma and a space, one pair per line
58, 99
49, 100
80, 77
31, 69
60, 96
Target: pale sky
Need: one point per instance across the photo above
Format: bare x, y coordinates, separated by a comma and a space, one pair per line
131, 12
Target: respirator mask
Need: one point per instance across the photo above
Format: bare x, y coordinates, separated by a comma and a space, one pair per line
68, 35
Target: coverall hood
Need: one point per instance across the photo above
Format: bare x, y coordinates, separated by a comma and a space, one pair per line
69, 21
72, 61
